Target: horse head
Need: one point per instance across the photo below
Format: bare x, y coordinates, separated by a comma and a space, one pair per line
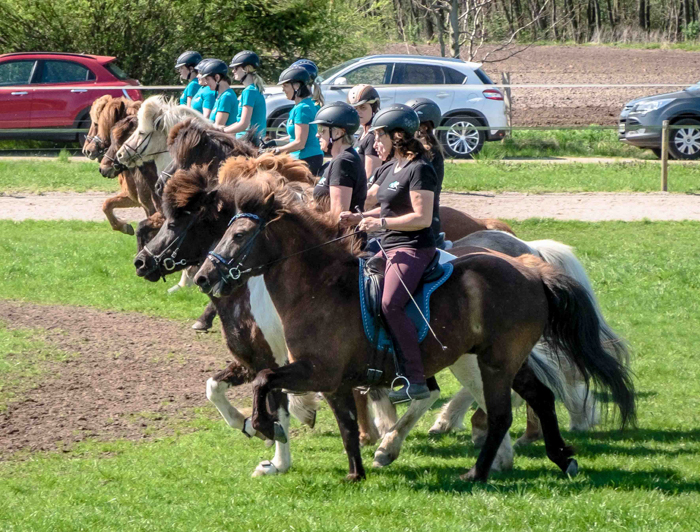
122, 130
92, 148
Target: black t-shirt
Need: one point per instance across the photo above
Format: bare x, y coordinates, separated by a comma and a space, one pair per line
365, 146
380, 173
438, 162
345, 170
395, 200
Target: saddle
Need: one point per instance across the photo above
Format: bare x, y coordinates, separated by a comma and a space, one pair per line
371, 288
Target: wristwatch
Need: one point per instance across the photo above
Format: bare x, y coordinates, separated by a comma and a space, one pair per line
383, 221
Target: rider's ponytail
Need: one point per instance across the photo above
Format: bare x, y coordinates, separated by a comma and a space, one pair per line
317, 94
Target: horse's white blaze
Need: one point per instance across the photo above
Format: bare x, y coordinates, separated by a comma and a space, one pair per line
265, 315
216, 393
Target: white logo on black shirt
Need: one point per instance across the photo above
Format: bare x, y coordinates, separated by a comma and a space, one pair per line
321, 181
394, 185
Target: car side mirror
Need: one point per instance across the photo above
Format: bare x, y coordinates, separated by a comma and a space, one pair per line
338, 83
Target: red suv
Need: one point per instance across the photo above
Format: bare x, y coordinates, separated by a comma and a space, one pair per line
45, 90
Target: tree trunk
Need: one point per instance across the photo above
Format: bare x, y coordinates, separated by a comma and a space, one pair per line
439, 26
642, 14
454, 27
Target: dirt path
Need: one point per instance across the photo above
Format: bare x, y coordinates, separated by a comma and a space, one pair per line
131, 377
593, 206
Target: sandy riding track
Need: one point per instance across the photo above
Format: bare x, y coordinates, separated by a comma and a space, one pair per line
592, 207
130, 376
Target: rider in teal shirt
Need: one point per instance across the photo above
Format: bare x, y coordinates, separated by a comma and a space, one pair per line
204, 100
226, 102
304, 112
252, 111
185, 66
215, 74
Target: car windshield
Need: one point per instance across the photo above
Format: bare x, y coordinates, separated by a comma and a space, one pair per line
116, 71
333, 71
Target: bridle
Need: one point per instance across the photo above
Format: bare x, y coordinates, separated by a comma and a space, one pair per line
99, 144
119, 167
230, 272
164, 264
139, 150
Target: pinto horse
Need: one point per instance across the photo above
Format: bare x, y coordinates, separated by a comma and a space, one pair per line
137, 185
196, 217
310, 276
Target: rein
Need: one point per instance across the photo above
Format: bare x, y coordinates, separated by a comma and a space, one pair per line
138, 151
170, 263
234, 273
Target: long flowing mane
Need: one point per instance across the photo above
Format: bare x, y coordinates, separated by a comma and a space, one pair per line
187, 190
97, 107
196, 142
291, 169
113, 111
123, 129
160, 114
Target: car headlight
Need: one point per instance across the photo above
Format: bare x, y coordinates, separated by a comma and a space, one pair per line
646, 107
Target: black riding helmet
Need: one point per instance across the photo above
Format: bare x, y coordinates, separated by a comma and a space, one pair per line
244, 59
295, 74
201, 64
338, 114
189, 58
213, 67
427, 110
309, 66
396, 116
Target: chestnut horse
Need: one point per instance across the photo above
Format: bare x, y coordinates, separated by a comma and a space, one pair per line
104, 113
137, 185
311, 276
91, 147
191, 207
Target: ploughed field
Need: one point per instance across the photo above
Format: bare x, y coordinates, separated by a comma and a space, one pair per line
104, 423
580, 65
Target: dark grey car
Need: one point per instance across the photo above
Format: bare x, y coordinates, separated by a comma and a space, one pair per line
641, 120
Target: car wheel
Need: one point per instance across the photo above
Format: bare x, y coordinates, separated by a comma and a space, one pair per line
685, 142
280, 121
461, 139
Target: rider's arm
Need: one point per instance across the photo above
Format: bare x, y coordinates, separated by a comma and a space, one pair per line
246, 115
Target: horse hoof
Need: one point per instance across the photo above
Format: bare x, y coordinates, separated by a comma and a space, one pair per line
471, 476
354, 477
174, 289
280, 435
312, 422
525, 440
266, 468
382, 459
572, 468
198, 326
127, 229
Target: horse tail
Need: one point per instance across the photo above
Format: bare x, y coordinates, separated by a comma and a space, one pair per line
562, 256
573, 330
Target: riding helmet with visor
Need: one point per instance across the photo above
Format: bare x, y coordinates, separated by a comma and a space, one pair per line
201, 64
189, 58
309, 66
427, 110
295, 74
338, 114
213, 67
361, 94
396, 117
244, 59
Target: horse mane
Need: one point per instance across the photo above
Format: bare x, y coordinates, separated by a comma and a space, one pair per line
113, 112
187, 190
286, 166
160, 113
97, 107
123, 129
190, 135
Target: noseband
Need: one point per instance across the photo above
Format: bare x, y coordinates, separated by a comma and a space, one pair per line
224, 267
119, 167
99, 144
138, 152
164, 264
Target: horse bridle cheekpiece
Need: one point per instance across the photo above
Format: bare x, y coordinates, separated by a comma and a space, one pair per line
99, 143
167, 264
225, 267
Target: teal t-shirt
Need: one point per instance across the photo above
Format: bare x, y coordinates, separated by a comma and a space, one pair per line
303, 113
189, 92
204, 99
252, 97
227, 102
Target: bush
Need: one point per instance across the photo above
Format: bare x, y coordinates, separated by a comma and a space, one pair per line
147, 35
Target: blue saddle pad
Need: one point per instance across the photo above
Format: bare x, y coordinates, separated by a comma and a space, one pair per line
422, 297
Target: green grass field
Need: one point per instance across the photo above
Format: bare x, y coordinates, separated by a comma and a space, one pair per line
647, 276
484, 175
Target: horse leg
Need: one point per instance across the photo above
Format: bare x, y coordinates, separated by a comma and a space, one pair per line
120, 201
391, 444
344, 408
452, 414
234, 375
282, 460
466, 370
206, 320
384, 410
583, 411
304, 407
368, 430
533, 430
288, 377
497, 384
541, 399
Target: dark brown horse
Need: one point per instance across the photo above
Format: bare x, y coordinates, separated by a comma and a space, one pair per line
493, 306
136, 185
196, 216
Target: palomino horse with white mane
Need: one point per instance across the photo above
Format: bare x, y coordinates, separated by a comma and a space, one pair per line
310, 275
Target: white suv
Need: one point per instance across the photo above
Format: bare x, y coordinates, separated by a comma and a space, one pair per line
399, 78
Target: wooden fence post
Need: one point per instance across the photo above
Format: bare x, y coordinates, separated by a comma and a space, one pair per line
505, 80
664, 156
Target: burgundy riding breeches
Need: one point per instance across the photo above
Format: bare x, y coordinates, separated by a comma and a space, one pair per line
411, 263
